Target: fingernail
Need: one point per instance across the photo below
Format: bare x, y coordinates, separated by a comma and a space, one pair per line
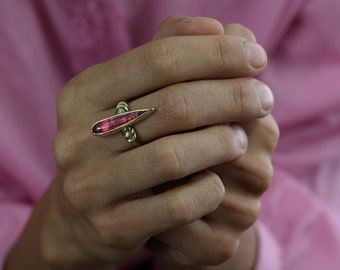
241, 136
265, 95
257, 56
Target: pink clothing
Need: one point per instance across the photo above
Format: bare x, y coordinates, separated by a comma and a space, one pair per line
44, 43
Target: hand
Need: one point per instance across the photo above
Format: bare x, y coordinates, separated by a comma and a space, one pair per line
245, 180
100, 210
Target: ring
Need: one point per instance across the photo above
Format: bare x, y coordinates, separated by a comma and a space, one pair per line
123, 121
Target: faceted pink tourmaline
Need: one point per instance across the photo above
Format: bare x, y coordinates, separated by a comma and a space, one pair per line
114, 122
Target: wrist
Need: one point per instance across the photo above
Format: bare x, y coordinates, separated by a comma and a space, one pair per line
43, 245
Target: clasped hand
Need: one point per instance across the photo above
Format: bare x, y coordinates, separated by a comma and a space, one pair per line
194, 185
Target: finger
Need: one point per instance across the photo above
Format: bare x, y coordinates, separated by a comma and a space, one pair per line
197, 243
253, 171
238, 211
159, 64
179, 25
247, 177
107, 178
191, 105
197, 104
264, 134
138, 220
169, 159
235, 29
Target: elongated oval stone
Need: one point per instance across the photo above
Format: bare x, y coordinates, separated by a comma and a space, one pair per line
118, 122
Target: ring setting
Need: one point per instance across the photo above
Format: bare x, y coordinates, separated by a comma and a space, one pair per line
122, 121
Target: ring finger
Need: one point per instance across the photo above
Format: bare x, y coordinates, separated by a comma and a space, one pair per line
192, 105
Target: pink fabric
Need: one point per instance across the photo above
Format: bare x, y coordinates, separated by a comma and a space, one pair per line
44, 43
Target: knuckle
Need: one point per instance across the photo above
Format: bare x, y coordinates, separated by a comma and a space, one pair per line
244, 101
64, 150
159, 56
104, 231
222, 52
264, 177
180, 210
217, 189
272, 132
219, 257
167, 159
270, 126
225, 249
230, 143
67, 147
243, 211
240, 98
113, 231
175, 105
250, 214
80, 192
228, 56
257, 173
108, 233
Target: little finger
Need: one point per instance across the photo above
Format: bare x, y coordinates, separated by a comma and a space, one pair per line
192, 105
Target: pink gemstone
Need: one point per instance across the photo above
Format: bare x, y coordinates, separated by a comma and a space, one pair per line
115, 122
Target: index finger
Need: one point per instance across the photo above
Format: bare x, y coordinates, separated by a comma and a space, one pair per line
164, 62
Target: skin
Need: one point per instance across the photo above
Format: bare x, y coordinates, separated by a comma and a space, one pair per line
246, 251
197, 206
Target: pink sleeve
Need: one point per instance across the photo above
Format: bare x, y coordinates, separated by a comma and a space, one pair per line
27, 110
299, 227
269, 252
301, 231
